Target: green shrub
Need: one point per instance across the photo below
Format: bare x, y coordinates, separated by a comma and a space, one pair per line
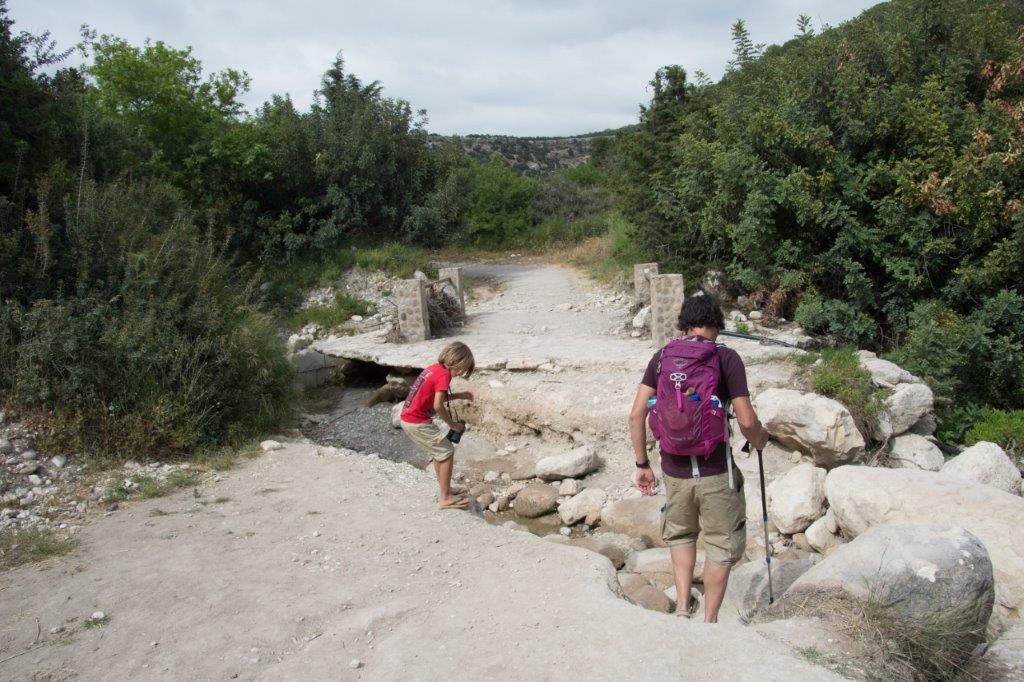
135, 333
840, 376
743, 327
1003, 427
837, 319
24, 546
501, 209
396, 259
328, 316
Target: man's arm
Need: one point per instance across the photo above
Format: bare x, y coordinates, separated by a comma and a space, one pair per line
644, 479
750, 427
442, 412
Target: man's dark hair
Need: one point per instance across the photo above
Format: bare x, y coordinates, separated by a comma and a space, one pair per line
701, 311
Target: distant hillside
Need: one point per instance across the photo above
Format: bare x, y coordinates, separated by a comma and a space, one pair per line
529, 155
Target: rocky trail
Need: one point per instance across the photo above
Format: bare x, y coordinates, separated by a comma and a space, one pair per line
325, 557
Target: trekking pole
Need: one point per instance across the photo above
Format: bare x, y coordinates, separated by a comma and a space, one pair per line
764, 519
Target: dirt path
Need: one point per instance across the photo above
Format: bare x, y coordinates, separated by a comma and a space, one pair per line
312, 560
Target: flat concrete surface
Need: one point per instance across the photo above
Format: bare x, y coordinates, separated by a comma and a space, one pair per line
300, 562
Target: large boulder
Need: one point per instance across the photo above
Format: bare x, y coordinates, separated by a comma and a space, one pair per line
572, 464
642, 593
536, 500
920, 573
911, 451
639, 517
885, 373
748, 587
1005, 657
985, 463
580, 506
816, 425
797, 499
903, 408
863, 497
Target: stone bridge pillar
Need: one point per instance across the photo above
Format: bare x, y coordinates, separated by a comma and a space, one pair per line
455, 275
667, 295
413, 318
642, 273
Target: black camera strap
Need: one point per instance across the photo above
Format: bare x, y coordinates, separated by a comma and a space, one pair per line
448, 406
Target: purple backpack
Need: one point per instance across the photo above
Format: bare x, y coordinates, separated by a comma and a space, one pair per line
688, 417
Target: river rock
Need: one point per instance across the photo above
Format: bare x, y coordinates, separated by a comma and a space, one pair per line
813, 424
572, 464
922, 573
797, 499
907, 404
820, 538
638, 517
536, 500
614, 547
863, 497
985, 463
570, 487
58, 461
1006, 655
577, 508
651, 598
748, 587
911, 451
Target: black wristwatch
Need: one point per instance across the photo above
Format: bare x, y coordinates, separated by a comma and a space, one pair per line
644, 465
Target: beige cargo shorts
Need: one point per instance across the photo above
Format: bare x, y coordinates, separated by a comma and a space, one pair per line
707, 504
430, 440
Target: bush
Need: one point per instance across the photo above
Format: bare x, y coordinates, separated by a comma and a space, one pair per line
1003, 427
501, 209
340, 311
840, 376
136, 334
842, 322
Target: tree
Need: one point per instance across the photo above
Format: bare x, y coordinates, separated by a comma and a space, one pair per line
744, 51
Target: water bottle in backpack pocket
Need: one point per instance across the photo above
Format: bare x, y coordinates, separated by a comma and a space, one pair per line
688, 418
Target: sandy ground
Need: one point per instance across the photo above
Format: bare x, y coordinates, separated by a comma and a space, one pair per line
300, 562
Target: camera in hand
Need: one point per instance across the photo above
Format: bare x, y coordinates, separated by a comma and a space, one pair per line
455, 436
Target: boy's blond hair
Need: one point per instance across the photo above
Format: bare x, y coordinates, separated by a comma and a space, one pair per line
458, 358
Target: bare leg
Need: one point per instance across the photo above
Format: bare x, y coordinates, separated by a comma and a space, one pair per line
716, 579
683, 560
443, 469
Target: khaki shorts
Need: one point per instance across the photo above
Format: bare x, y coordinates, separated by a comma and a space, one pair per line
707, 504
430, 440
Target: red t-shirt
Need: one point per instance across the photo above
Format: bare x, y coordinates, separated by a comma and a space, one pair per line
419, 405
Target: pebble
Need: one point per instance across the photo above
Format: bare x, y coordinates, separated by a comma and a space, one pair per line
59, 461
357, 318
35, 480
491, 476
57, 629
565, 530
98, 615
28, 455
355, 664
153, 643
270, 445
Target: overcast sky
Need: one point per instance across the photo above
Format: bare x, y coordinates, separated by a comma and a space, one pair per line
529, 67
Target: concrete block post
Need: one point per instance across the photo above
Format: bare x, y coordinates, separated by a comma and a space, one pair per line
413, 318
642, 273
667, 294
455, 275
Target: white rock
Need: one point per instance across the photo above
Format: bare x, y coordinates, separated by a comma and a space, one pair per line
356, 318
355, 663
797, 499
98, 615
831, 523
813, 424
756, 315
58, 461
270, 445
565, 530
642, 320
491, 476
570, 487
494, 383
577, 508
653, 560
911, 451
985, 463
904, 408
820, 537
863, 497
883, 372
572, 464
35, 480
396, 415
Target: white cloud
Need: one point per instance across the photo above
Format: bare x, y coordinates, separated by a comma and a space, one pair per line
526, 67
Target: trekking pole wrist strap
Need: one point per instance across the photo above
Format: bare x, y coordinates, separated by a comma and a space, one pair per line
643, 465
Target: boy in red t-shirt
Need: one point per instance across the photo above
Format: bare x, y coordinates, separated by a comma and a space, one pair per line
427, 398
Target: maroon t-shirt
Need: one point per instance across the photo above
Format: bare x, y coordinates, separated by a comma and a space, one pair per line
731, 384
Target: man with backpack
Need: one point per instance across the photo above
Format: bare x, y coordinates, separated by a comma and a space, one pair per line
687, 390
